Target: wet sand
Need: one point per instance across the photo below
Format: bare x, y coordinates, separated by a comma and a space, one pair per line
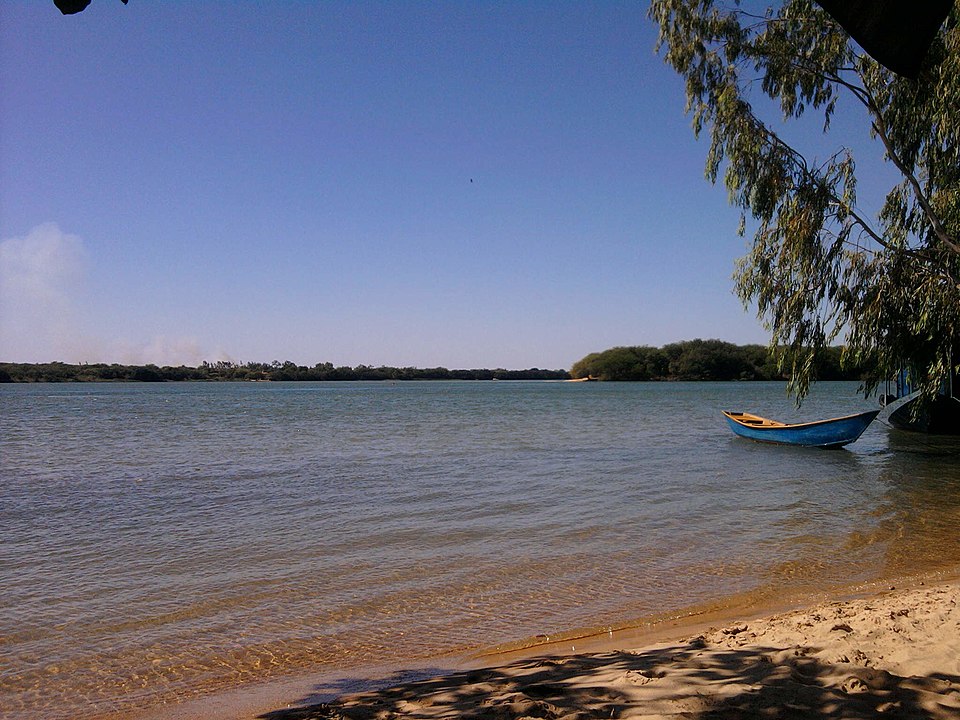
881, 652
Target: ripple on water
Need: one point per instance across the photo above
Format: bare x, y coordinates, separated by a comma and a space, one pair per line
165, 541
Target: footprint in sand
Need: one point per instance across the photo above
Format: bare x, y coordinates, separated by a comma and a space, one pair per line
860, 658
641, 677
854, 685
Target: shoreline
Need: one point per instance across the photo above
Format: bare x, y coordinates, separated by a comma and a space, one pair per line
802, 629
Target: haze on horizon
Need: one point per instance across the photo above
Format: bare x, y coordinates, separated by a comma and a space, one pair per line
459, 184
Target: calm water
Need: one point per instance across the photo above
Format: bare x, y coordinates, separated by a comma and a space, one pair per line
164, 540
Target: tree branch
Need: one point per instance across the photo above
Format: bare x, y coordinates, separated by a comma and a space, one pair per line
801, 164
938, 229
864, 96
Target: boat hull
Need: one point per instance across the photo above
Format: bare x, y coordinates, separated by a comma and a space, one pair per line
940, 417
832, 433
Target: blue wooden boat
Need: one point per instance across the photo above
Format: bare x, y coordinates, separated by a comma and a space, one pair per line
832, 433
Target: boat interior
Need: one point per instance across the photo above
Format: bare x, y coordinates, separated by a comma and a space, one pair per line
754, 420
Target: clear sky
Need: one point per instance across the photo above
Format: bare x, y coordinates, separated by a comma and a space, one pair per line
465, 184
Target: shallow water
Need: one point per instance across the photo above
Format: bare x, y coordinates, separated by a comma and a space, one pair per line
161, 541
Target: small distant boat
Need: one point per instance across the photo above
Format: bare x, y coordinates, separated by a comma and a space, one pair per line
832, 433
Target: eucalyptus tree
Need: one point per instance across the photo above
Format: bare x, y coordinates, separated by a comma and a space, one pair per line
819, 268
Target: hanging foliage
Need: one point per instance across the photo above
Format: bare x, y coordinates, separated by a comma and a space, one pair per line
819, 269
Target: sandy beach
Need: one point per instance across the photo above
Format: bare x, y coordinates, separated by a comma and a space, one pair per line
892, 652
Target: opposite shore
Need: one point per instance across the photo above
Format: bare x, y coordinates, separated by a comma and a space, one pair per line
685, 360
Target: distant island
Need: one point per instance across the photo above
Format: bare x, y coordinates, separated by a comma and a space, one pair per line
687, 360
700, 360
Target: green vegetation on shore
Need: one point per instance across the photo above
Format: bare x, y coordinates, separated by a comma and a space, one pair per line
227, 371
700, 360
687, 360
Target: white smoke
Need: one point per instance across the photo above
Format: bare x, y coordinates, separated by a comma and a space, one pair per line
160, 350
45, 315
41, 280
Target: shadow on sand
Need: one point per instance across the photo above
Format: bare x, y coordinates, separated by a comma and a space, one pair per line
689, 681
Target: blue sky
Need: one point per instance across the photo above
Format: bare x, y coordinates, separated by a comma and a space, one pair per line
465, 184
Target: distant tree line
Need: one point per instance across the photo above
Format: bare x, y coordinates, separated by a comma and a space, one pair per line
700, 360
687, 360
275, 371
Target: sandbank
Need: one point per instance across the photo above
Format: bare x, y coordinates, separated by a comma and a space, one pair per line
879, 651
